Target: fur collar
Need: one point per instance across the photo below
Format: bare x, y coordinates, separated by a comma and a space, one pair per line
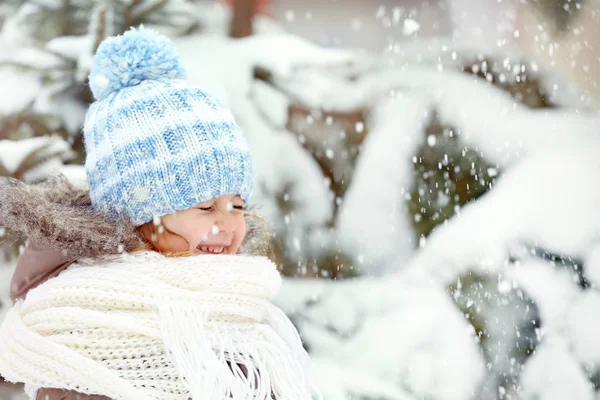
57, 214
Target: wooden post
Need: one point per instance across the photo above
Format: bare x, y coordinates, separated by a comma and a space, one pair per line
241, 22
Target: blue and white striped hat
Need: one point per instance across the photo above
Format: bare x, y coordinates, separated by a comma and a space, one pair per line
156, 144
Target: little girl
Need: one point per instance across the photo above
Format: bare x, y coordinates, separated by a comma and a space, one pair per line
111, 301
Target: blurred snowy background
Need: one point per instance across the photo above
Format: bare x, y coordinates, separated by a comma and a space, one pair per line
430, 170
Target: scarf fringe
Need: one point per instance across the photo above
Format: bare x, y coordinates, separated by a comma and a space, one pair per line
236, 360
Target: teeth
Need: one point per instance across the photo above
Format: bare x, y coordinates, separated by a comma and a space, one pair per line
214, 250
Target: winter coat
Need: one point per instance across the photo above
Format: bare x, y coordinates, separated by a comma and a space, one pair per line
62, 227
37, 264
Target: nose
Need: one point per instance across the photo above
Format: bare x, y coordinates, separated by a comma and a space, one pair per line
225, 222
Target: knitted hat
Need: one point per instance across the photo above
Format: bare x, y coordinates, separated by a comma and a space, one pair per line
156, 144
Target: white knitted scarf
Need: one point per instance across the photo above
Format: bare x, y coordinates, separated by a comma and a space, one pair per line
145, 326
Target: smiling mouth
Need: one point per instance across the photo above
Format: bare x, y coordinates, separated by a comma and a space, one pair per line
211, 249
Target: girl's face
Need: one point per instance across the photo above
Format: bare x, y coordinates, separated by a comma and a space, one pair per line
216, 226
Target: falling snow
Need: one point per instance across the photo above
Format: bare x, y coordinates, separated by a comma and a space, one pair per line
452, 178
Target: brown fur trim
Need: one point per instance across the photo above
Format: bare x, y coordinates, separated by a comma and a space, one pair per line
57, 214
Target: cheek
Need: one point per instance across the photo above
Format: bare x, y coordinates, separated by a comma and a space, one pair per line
240, 231
194, 229
191, 228
172, 243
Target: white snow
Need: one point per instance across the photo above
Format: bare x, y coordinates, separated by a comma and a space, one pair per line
52, 4
75, 174
321, 88
43, 171
15, 30
404, 346
69, 47
550, 216
552, 374
373, 222
592, 265
282, 53
71, 111
76, 48
23, 85
552, 289
229, 69
448, 54
55, 99
13, 152
211, 65
584, 329
410, 27
340, 382
271, 102
471, 104
296, 170
34, 58
389, 330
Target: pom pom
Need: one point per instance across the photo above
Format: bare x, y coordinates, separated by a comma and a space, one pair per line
127, 60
